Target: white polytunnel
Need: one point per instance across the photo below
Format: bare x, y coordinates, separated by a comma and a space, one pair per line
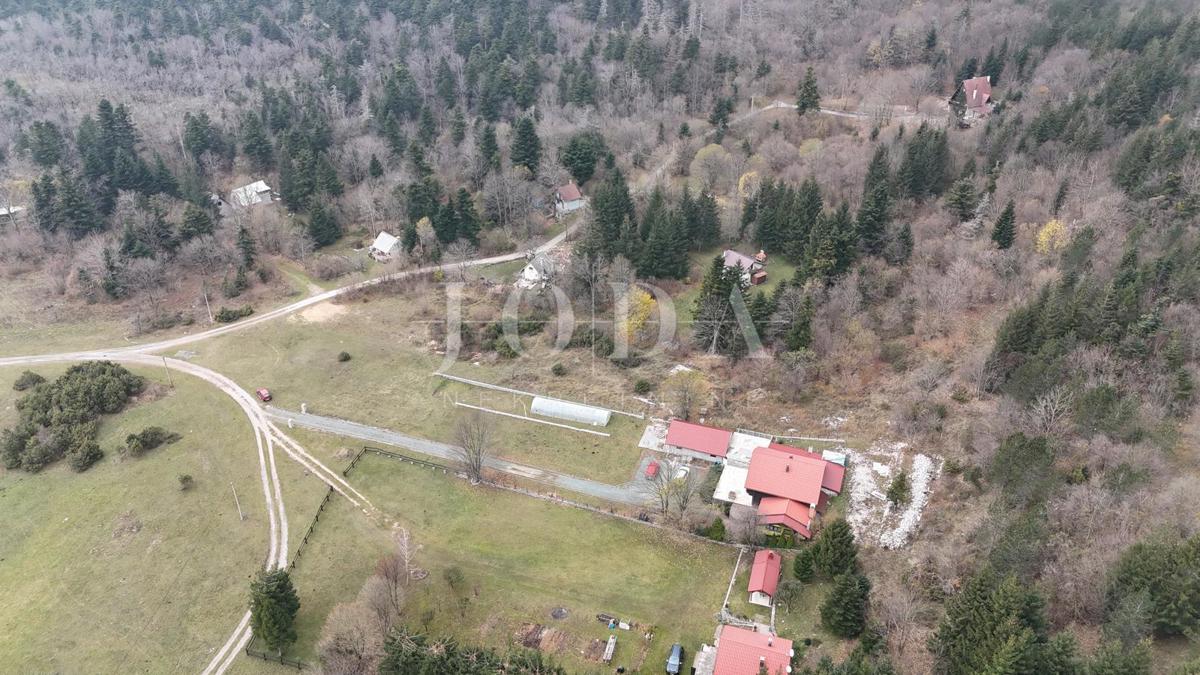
575, 412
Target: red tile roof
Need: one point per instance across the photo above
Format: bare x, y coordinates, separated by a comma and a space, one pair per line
786, 474
764, 573
835, 474
977, 91
740, 651
792, 514
709, 440
569, 192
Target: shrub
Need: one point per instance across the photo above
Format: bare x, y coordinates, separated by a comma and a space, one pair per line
148, 439
455, 577
28, 380
185, 481
900, 489
559, 369
504, 349
642, 387
84, 456
226, 315
343, 357
803, 564
715, 530
844, 611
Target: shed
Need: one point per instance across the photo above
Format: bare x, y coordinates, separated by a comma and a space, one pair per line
764, 577
567, 199
574, 412
249, 195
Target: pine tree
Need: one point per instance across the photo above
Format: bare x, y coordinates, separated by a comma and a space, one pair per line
113, 281
808, 98
255, 143
802, 567
799, 336
706, 228
1004, 232
466, 217
445, 224
458, 128
873, 218
962, 199
526, 146
409, 238
834, 551
196, 223
273, 608
489, 149
246, 248
716, 328
322, 226
844, 610
375, 168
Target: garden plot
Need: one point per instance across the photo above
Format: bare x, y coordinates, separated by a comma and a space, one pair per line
875, 519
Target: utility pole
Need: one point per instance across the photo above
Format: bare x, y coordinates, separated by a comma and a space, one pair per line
169, 378
204, 287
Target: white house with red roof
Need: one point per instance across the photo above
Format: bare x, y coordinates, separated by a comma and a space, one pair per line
568, 199
741, 651
764, 577
697, 440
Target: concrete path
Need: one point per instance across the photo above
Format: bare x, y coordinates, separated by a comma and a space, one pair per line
633, 493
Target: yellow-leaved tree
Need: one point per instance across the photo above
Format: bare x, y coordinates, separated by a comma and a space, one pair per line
1052, 237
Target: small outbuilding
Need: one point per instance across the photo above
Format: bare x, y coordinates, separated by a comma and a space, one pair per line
753, 268
384, 248
764, 577
710, 442
538, 272
572, 412
257, 192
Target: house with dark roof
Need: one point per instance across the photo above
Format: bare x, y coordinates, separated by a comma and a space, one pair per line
753, 268
764, 577
973, 98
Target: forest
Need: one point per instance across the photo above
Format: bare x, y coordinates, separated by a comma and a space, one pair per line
1018, 291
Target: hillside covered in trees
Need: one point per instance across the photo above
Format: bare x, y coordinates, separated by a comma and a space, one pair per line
1017, 292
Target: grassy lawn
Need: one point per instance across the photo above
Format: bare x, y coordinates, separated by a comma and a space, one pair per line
116, 569
778, 269
388, 383
521, 558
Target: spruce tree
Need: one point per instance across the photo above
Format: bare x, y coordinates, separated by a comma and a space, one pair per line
196, 223
256, 144
834, 551
375, 168
706, 228
489, 149
808, 98
526, 146
445, 224
873, 218
1005, 230
962, 199
273, 608
802, 567
322, 226
844, 611
245, 244
466, 217
799, 336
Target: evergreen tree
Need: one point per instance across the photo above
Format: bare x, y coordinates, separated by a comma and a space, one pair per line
255, 143
580, 154
873, 219
113, 281
844, 610
799, 336
1005, 232
466, 217
409, 238
962, 199
322, 226
611, 206
706, 228
808, 98
489, 149
273, 608
458, 128
196, 223
246, 248
834, 551
878, 171
802, 567
526, 147
375, 168
1114, 658
717, 328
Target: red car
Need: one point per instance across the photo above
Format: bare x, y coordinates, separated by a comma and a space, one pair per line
652, 469
264, 394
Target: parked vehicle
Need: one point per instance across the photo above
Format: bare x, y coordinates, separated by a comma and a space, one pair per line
652, 469
675, 660
264, 394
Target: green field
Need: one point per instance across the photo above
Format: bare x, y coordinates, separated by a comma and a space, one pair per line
116, 569
521, 557
389, 383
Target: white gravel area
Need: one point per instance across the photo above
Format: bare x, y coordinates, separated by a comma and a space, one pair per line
871, 516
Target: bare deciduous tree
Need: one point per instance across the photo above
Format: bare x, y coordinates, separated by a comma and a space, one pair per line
473, 434
1051, 412
351, 640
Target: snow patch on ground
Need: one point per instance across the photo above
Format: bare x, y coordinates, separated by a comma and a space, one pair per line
834, 422
869, 513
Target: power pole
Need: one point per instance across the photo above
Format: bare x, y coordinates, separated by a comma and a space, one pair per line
204, 287
241, 516
170, 380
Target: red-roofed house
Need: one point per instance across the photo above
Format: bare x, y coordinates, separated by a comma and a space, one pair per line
777, 513
791, 487
709, 441
835, 474
764, 577
973, 99
741, 651
568, 198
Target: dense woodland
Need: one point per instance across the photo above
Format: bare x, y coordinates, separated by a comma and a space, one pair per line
1020, 295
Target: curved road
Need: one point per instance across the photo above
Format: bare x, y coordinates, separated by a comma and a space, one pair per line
266, 434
